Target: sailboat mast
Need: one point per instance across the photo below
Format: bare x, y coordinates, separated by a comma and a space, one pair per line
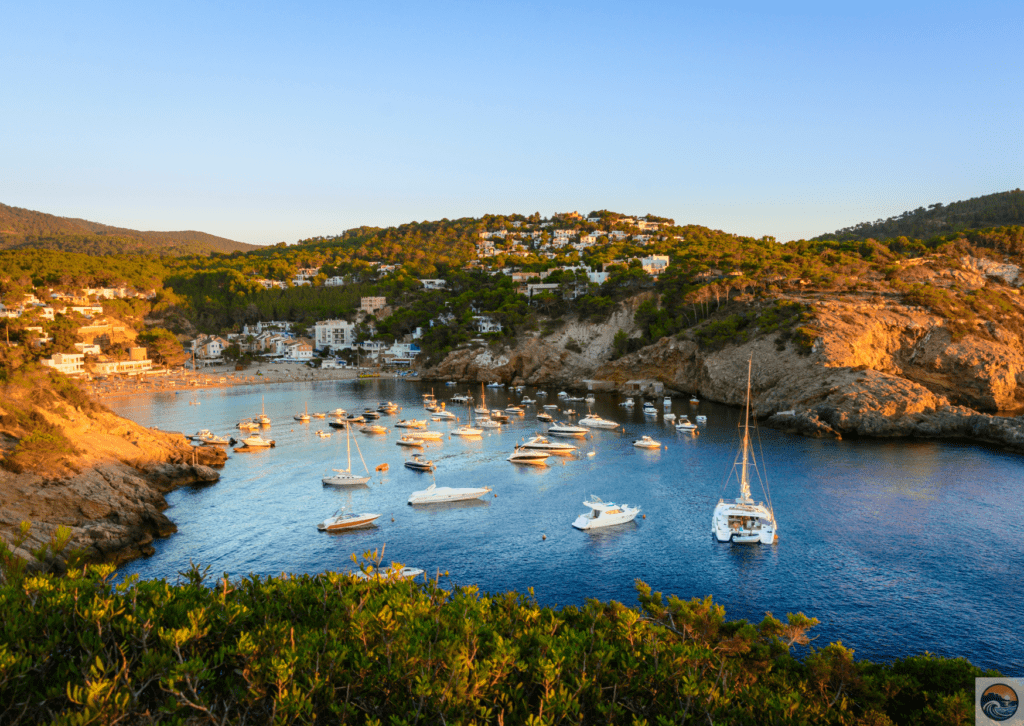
744, 480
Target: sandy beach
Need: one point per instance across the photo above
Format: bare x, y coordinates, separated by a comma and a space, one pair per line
222, 376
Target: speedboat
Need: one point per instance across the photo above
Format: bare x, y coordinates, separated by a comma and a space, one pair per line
539, 443
550, 406
649, 409
594, 421
424, 434
346, 520
411, 424
684, 424
605, 514
467, 431
628, 403
373, 429
567, 430
516, 410
438, 495
443, 415
418, 464
546, 417
213, 440
387, 407
248, 425
388, 573
646, 442
354, 419
255, 441
742, 520
370, 415
200, 435
409, 441
528, 456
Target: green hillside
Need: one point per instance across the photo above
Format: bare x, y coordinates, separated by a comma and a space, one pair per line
26, 229
991, 210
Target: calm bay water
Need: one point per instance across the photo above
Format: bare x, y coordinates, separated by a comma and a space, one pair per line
896, 547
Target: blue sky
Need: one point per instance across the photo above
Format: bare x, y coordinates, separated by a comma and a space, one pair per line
268, 122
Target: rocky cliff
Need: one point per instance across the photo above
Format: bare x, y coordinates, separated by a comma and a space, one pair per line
68, 461
878, 367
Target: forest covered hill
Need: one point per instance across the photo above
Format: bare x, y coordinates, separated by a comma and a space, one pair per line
991, 210
24, 228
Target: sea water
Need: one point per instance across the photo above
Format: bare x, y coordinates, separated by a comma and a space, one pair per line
898, 547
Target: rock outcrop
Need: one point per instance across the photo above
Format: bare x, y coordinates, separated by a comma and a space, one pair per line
879, 368
110, 494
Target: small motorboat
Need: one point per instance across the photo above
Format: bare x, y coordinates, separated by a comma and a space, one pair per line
460, 398
339, 412
370, 415
255, 441
411, 424
449, 383
319, 414
628, 403
551, 406
667, 402
669, 417
569, 411
200, 435
388, 573
514, 410
495, 384
646, 442
567, 430
354, 419
542, 393
324, 434
684, 424
649, 409
694, 400
438, 495
248, 425
387, 407
467, 431
701, 419
499, 416
424, 434
213, 440
590, 399
596, 422
418, 464
373, 429
442, 415
409, 441
605, 514
346, 520
546, 417
486, 423
527, 400
529, 456
539, 443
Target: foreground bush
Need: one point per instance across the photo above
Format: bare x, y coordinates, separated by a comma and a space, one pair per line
82, 649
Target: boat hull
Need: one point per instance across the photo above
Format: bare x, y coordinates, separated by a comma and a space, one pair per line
344, 481
337, 524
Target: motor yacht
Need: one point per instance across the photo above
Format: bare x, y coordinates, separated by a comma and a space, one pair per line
346, 520
539, 443
424, 434
529, 456
467, 431
646, 442
439, 495
605, 514
592, 420
411, 423
418, 464
567, 430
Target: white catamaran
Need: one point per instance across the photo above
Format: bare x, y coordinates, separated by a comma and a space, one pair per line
742, 520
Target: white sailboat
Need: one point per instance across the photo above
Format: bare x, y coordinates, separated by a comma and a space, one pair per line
345, 477
742, 520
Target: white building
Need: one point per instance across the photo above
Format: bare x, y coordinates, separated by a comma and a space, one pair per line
334, 334
299, 350
433, 284
655, 264
336, 281
486, 324
71, 364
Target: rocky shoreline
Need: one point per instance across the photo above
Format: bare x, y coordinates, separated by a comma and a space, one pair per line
877, 369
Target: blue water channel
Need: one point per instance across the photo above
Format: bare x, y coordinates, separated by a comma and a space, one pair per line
897, 547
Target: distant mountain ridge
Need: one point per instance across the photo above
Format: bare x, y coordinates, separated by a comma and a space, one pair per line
25, 228
991, 210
